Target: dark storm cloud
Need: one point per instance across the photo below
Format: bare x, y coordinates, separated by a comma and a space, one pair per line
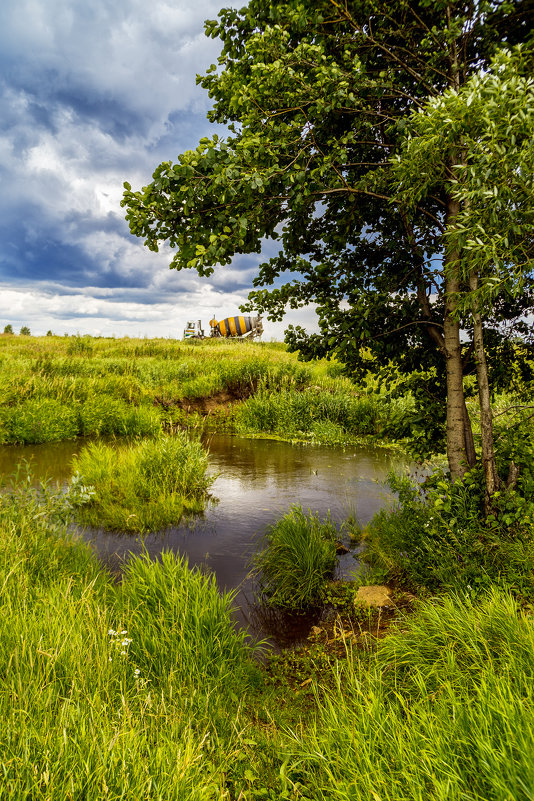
92, 95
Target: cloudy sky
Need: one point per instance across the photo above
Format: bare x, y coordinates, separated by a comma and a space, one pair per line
92, 95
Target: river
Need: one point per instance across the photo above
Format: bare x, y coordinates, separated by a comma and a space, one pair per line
257, 482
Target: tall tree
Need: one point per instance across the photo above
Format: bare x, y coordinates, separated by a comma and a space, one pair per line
316, 96
477, 143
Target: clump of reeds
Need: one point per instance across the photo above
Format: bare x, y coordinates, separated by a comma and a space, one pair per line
143, 486
298, 558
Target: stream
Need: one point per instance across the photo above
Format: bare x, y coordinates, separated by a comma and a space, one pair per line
257, 482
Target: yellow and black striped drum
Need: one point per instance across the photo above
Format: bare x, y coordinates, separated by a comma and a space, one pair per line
237, 326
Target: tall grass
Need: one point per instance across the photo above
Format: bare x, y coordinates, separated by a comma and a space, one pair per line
143, 486
110, 691
443, 712
326, 413
298, 558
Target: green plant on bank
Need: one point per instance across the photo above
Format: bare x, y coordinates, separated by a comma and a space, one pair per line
94, 674
325, 414
443, 710
143, 486
45, 419
39, 420
298, 558
144, 688
438, 537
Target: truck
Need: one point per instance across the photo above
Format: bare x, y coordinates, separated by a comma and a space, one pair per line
237, 327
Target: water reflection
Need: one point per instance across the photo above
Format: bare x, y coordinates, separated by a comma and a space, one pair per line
257, 481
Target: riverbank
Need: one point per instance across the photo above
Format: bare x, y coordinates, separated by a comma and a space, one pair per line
59, 388
144, 689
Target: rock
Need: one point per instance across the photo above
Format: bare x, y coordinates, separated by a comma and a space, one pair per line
341, 548
376, 595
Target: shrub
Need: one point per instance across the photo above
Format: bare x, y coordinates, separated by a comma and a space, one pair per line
143, 486
438, 537
298, 558
80, 346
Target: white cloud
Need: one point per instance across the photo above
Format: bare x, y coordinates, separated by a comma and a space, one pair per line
106, 313
93, 95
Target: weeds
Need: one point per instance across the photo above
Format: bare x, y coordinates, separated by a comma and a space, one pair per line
439, 539
298, 558
143, 486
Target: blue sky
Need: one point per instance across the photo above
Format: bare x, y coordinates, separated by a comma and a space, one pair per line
91, 95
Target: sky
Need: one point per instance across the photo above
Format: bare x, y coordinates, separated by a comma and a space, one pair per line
92, 95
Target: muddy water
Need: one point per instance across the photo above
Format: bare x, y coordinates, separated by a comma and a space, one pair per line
257, 481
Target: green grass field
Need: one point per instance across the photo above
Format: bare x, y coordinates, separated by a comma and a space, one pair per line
143, 689
54, 388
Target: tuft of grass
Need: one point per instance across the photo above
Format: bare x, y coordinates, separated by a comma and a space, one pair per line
298, 559
39, 420
143, 486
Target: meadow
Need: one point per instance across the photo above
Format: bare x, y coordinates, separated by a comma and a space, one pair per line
55, 388
144, 688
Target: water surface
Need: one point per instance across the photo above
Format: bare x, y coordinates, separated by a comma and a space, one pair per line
257, 482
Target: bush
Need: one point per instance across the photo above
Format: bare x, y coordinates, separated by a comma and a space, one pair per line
144, 486
298, 558
437, 537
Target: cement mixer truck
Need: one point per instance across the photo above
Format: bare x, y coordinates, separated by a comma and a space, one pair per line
238, 327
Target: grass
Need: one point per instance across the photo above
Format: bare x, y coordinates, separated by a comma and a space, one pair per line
442, 711
143, 689
298, 558
106, 690
142, 486
334, 415
54, 388
437, 538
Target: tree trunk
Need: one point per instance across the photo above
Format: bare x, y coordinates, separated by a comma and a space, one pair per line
486, 418
469, 442
457, 453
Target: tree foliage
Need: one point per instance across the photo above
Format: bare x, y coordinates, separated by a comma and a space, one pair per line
317, 97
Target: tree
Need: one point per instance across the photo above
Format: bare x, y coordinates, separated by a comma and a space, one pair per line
478, 143
25, 331
8, 329
316, 97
